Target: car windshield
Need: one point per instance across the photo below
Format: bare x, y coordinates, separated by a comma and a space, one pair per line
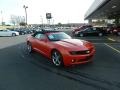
58, 36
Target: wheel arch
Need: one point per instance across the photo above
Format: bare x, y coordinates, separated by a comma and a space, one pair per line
54, 49
13, 34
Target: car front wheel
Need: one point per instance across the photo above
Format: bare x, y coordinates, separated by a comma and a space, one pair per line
57, 58
13, 34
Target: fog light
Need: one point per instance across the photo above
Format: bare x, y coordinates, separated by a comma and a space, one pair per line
73, 60
87, 52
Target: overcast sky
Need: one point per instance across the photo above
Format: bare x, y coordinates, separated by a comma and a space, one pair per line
64, 11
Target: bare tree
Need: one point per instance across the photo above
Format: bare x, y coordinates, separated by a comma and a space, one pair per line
16, 20
12, 19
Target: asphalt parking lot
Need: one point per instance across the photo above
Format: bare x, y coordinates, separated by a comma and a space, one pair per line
23, 71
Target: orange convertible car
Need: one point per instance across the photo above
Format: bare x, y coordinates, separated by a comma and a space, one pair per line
60, 48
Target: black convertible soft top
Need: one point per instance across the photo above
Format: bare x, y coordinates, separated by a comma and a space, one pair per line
47, 31
43, 31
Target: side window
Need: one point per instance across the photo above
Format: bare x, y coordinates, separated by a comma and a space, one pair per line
37, 36
40, 36
94, 29
88, 29
5, 30
1, 30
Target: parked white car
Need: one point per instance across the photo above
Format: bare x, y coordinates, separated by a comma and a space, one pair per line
8, 33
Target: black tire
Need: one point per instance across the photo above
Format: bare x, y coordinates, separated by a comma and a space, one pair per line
57, 58
100, 34
13, 34
29, 48
22, 33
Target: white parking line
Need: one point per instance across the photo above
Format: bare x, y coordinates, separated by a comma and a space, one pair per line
111, 39
112, 48
91, 38
102, 43
97, 43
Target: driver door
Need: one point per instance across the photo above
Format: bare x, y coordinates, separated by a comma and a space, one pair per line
41, 42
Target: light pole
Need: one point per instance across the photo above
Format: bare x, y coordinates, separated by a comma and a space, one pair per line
25, 7
41, 21
1, 18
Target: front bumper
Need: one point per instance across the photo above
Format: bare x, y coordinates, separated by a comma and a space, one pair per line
77, 59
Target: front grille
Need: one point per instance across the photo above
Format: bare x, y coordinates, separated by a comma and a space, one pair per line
81, 52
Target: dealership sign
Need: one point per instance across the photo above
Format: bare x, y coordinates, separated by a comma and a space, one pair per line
48, 16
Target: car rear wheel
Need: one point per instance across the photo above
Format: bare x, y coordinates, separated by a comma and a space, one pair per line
118, 33
57, 58
23, 33
81, 35
100, 34
29, 48
13, 34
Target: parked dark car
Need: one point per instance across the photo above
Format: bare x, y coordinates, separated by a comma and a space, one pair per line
110, 30
92, 31
75, 31
21, 32
114, 30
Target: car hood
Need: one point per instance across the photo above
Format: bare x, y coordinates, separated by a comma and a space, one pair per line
72, 44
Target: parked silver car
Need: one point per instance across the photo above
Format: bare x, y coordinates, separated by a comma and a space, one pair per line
8, 33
